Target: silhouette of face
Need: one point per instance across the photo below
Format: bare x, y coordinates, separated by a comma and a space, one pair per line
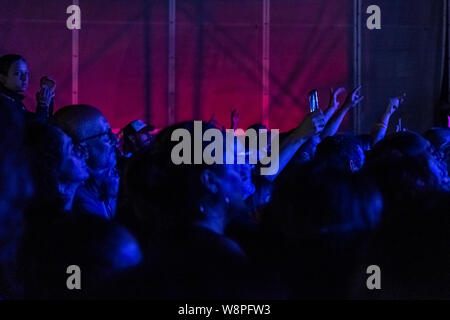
236, 182
73, 167
100, 144
232, 186
18, 77
141, 139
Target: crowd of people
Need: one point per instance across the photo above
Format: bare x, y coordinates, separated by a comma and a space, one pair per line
141, 227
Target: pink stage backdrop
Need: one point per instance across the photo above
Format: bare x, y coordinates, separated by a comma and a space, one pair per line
123, 55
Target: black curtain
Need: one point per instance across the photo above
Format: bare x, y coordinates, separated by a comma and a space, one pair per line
406, 55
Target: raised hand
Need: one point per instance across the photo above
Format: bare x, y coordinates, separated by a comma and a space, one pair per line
394, 103
313, 123
44, 97
213, 121
354, 98
334, 103
235, 116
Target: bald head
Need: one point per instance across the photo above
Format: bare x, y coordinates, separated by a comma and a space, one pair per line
80, 121
87, 125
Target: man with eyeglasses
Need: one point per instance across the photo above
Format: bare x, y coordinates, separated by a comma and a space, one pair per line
95, 141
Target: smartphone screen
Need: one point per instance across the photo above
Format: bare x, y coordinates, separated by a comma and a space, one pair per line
313, 101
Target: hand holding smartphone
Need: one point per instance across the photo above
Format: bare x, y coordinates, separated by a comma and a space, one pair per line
313, 101
44, 97
49, 83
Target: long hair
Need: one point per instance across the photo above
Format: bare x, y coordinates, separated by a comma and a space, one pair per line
43, 143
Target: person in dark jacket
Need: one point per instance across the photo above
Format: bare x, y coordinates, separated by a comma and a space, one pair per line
14, 80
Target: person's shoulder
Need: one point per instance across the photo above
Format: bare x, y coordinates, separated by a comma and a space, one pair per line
6, 101
223, 244
233, 248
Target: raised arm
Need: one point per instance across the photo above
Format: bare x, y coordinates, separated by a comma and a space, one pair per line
44, 98
379, 129
234, 119
311, 124
332, 126
333, 103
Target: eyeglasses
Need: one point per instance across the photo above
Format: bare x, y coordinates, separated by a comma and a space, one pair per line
80, 151
112, 137
80, 148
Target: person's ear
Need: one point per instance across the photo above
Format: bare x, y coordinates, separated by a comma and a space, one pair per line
210, 181
82, 150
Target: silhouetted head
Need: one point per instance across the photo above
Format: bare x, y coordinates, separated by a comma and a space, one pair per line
438, 137
178, 195
321, 201
14, 73
440, 140
99, 248
325, 218
90, 132
136, 135
15, 189
342, 152
56, 161
405, 165
365, 141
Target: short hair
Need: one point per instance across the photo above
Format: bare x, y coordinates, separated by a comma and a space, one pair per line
74, 119
337, 151
405, 143
400, 164
365, 141
438, 137
7, 60
317, 200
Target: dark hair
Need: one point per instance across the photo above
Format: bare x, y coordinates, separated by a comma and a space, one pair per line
7, 60
337, 152
400, 165
318, 200
127, 144
365, 141
405, 143
44, 143
101, 250
325, 219
165, 194
15, 190
438, 137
